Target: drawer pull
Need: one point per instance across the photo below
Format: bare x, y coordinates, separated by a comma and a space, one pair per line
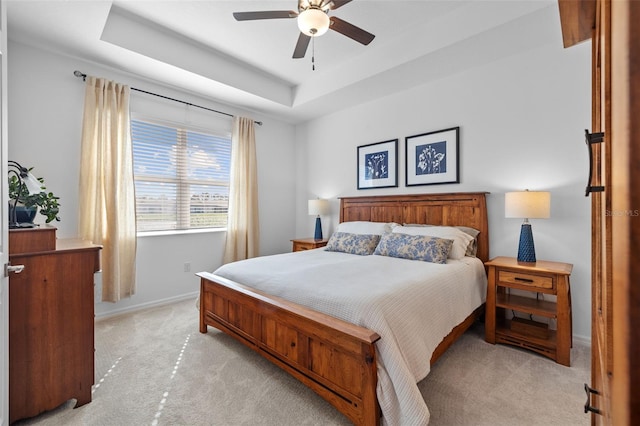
587, 405
592, 138
525, 280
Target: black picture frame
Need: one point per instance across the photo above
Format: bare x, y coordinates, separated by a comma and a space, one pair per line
378, 165
433, 158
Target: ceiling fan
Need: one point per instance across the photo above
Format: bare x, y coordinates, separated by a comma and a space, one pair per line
313, 21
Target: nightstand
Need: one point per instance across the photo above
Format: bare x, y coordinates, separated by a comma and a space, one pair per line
539, 278
308, 244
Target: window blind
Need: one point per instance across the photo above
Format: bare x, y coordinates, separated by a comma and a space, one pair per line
181, 177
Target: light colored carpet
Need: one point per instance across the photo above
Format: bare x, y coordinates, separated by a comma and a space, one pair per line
154, 367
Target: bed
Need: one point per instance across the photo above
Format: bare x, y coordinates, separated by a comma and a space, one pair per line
341, 360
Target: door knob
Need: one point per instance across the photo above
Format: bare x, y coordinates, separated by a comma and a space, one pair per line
16, 269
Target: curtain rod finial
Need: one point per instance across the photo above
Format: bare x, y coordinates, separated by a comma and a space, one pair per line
80, 74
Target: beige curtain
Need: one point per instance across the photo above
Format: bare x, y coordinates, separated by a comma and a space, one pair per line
107, 200
242, 227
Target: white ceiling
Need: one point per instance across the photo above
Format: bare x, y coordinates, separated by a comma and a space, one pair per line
198, 46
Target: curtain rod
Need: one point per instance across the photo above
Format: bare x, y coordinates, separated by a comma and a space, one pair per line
84, 77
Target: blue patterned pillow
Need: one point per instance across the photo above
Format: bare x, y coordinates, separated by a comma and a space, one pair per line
414, 247
362, 244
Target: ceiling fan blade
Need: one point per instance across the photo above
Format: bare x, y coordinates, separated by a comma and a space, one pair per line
336, 3
270, 14
301, 46
351, 31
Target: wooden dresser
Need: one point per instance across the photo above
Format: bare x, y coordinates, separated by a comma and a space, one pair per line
51, 350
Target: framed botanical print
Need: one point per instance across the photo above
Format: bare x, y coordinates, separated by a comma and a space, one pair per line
378, 165
433, 158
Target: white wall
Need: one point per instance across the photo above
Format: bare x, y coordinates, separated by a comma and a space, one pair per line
45, 124
522, 120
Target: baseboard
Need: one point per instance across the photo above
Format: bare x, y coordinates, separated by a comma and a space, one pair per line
143, 306
581, 340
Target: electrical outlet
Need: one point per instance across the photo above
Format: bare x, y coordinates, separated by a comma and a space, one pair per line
187, 266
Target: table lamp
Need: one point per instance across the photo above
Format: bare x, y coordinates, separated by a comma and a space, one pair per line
527, 205
28, 184
318, 207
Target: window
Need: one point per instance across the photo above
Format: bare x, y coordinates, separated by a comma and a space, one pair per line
181, 177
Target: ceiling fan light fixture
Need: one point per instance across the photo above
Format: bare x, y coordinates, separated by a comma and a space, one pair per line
313, 22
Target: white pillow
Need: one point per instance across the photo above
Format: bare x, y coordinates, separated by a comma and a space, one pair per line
460, 239
472, 248
365, 227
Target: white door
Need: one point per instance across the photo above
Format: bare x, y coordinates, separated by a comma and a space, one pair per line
4, 226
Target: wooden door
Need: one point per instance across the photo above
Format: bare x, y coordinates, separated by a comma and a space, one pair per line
624, 298
616, 215
601, 333
615, 344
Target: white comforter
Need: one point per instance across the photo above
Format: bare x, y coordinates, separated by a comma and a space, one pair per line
411, 304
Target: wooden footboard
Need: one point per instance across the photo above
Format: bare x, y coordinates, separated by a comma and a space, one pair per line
334, 358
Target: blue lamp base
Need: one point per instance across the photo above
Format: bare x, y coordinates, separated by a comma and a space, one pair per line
318, 234
526, 249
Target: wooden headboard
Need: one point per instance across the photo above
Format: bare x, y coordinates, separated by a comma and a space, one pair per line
461, 209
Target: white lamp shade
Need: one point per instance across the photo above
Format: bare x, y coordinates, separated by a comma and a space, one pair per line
313, 22
318, 207
32, 183
527, 204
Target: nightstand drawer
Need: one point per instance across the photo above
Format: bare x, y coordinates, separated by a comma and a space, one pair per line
527, 280
308, 244
304, 246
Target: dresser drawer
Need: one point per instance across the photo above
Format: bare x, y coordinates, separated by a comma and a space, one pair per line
527, 280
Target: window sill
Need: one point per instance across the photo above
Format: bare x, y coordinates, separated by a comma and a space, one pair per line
179, 232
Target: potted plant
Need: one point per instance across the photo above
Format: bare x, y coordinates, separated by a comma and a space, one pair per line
22, 199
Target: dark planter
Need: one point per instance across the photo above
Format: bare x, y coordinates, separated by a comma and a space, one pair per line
22, 214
